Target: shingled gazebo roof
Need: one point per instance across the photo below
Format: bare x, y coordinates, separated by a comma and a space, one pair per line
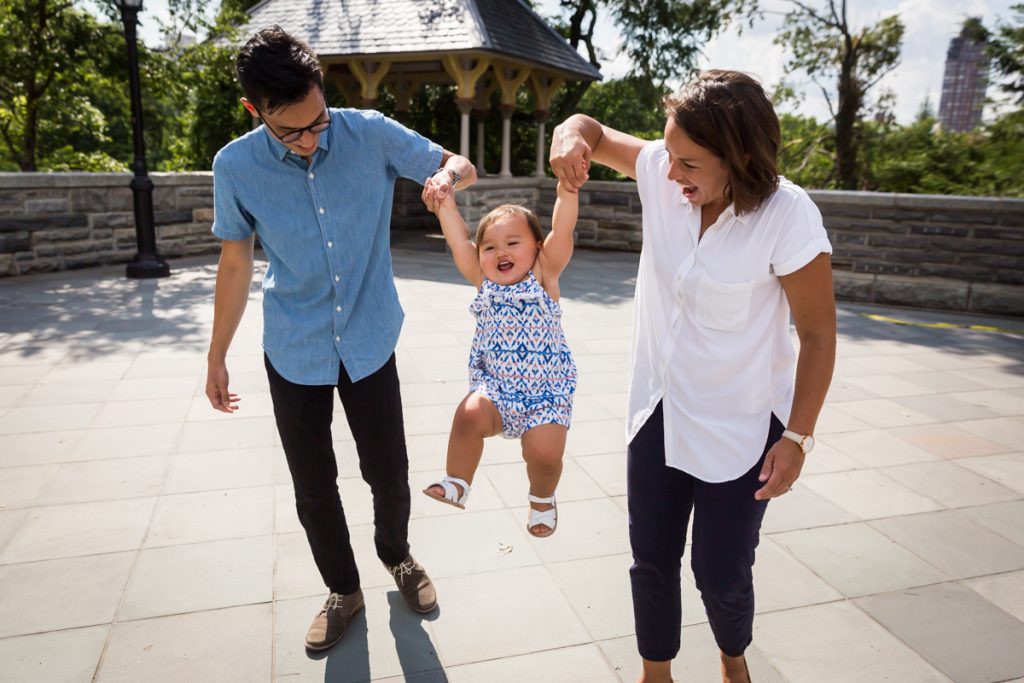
414, 29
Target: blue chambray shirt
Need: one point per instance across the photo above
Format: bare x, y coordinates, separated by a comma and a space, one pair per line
329, 292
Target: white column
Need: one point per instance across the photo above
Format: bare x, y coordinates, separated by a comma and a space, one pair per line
539, 173
480, 170
464, 135
506, 142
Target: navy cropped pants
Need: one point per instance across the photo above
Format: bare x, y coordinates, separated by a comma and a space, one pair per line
726, 525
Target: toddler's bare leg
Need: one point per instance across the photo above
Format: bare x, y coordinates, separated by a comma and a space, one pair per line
475, 419
543, 448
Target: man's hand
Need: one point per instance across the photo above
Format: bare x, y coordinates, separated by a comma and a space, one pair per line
217, 388
781, 468
436, 199
570, 160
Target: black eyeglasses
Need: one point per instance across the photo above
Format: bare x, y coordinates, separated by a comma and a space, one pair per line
294, 135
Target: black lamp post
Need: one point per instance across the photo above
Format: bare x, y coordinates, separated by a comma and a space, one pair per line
147, 262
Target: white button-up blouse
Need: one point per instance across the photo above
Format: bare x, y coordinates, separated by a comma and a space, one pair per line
711, 321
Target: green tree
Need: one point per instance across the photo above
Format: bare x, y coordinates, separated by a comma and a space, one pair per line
41, 70
829, 49
1007, 50
661, 37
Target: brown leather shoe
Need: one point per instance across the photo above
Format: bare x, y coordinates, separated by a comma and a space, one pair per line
329, 625
414, 585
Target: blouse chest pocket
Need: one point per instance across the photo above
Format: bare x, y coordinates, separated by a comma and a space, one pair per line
723, 306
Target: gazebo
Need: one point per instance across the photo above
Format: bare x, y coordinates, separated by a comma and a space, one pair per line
479, 45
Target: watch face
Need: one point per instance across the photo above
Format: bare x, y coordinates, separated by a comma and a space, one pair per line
807, 444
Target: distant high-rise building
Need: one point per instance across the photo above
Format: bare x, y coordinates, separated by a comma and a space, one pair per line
965, 79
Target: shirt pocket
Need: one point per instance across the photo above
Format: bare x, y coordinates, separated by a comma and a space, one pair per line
723, 306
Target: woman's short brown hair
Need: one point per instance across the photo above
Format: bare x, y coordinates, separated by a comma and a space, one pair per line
728, 113
508, 211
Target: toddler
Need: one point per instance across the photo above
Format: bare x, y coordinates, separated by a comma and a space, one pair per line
521, 373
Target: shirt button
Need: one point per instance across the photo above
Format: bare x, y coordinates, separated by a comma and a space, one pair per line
330, 245
321, 209
337, 339
337, 278
338, 309
312, 175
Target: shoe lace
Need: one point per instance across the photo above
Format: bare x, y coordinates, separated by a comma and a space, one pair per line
334, 600
402, 569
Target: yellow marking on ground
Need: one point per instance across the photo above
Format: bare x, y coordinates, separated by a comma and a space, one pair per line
941, 326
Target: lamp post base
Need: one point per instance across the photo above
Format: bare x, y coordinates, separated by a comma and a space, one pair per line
146, 267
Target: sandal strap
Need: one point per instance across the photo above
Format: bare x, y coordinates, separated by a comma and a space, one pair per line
550, 500
546, 517
450, 492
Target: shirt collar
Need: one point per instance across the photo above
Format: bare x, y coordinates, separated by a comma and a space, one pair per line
280, 150
728, 211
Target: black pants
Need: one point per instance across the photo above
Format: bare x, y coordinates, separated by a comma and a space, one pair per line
373, 408
726, 524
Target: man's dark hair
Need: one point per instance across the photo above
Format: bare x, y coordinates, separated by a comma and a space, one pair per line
729, 113
276, 69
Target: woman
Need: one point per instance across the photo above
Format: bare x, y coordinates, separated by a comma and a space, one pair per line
715, 425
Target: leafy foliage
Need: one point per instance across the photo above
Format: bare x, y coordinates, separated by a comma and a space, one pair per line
852, 61
1007, 50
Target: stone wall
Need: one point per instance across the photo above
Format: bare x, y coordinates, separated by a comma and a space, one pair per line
57, 221
952, 253
927, 251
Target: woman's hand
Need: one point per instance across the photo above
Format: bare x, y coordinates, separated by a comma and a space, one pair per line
781, 469
570, 160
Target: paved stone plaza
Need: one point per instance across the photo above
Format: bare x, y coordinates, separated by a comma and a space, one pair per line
145, 537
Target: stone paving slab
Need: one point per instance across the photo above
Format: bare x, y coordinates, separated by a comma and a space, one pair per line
144, 536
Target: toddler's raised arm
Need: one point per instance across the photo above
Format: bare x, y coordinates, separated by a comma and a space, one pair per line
558, 244
456, 233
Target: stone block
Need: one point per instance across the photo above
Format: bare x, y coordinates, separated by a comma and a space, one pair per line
939, 229
992, 261
101, 234
1010, 277
897, 214
609, 198
52, 205
898, 241
6, 265
89, 199
997, 299
43, 221
922, 292
191, 197
95, 258
175, 216
164, 199
15, 241
118, 219
849, 238
883, 268
956, 272
120, 199
845, 211
853, 286
964, 217
60, 235
37, 265
1004, 233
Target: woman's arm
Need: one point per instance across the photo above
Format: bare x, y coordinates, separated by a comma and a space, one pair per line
580, 139
812, 300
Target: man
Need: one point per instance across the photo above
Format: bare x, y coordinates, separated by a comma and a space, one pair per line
316, 185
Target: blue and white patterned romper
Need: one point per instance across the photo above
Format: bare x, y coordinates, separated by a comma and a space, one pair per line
519, 358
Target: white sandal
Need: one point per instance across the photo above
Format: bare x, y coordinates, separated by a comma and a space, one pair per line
548, 518
451, 494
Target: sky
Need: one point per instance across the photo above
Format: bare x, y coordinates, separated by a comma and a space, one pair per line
929, 26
